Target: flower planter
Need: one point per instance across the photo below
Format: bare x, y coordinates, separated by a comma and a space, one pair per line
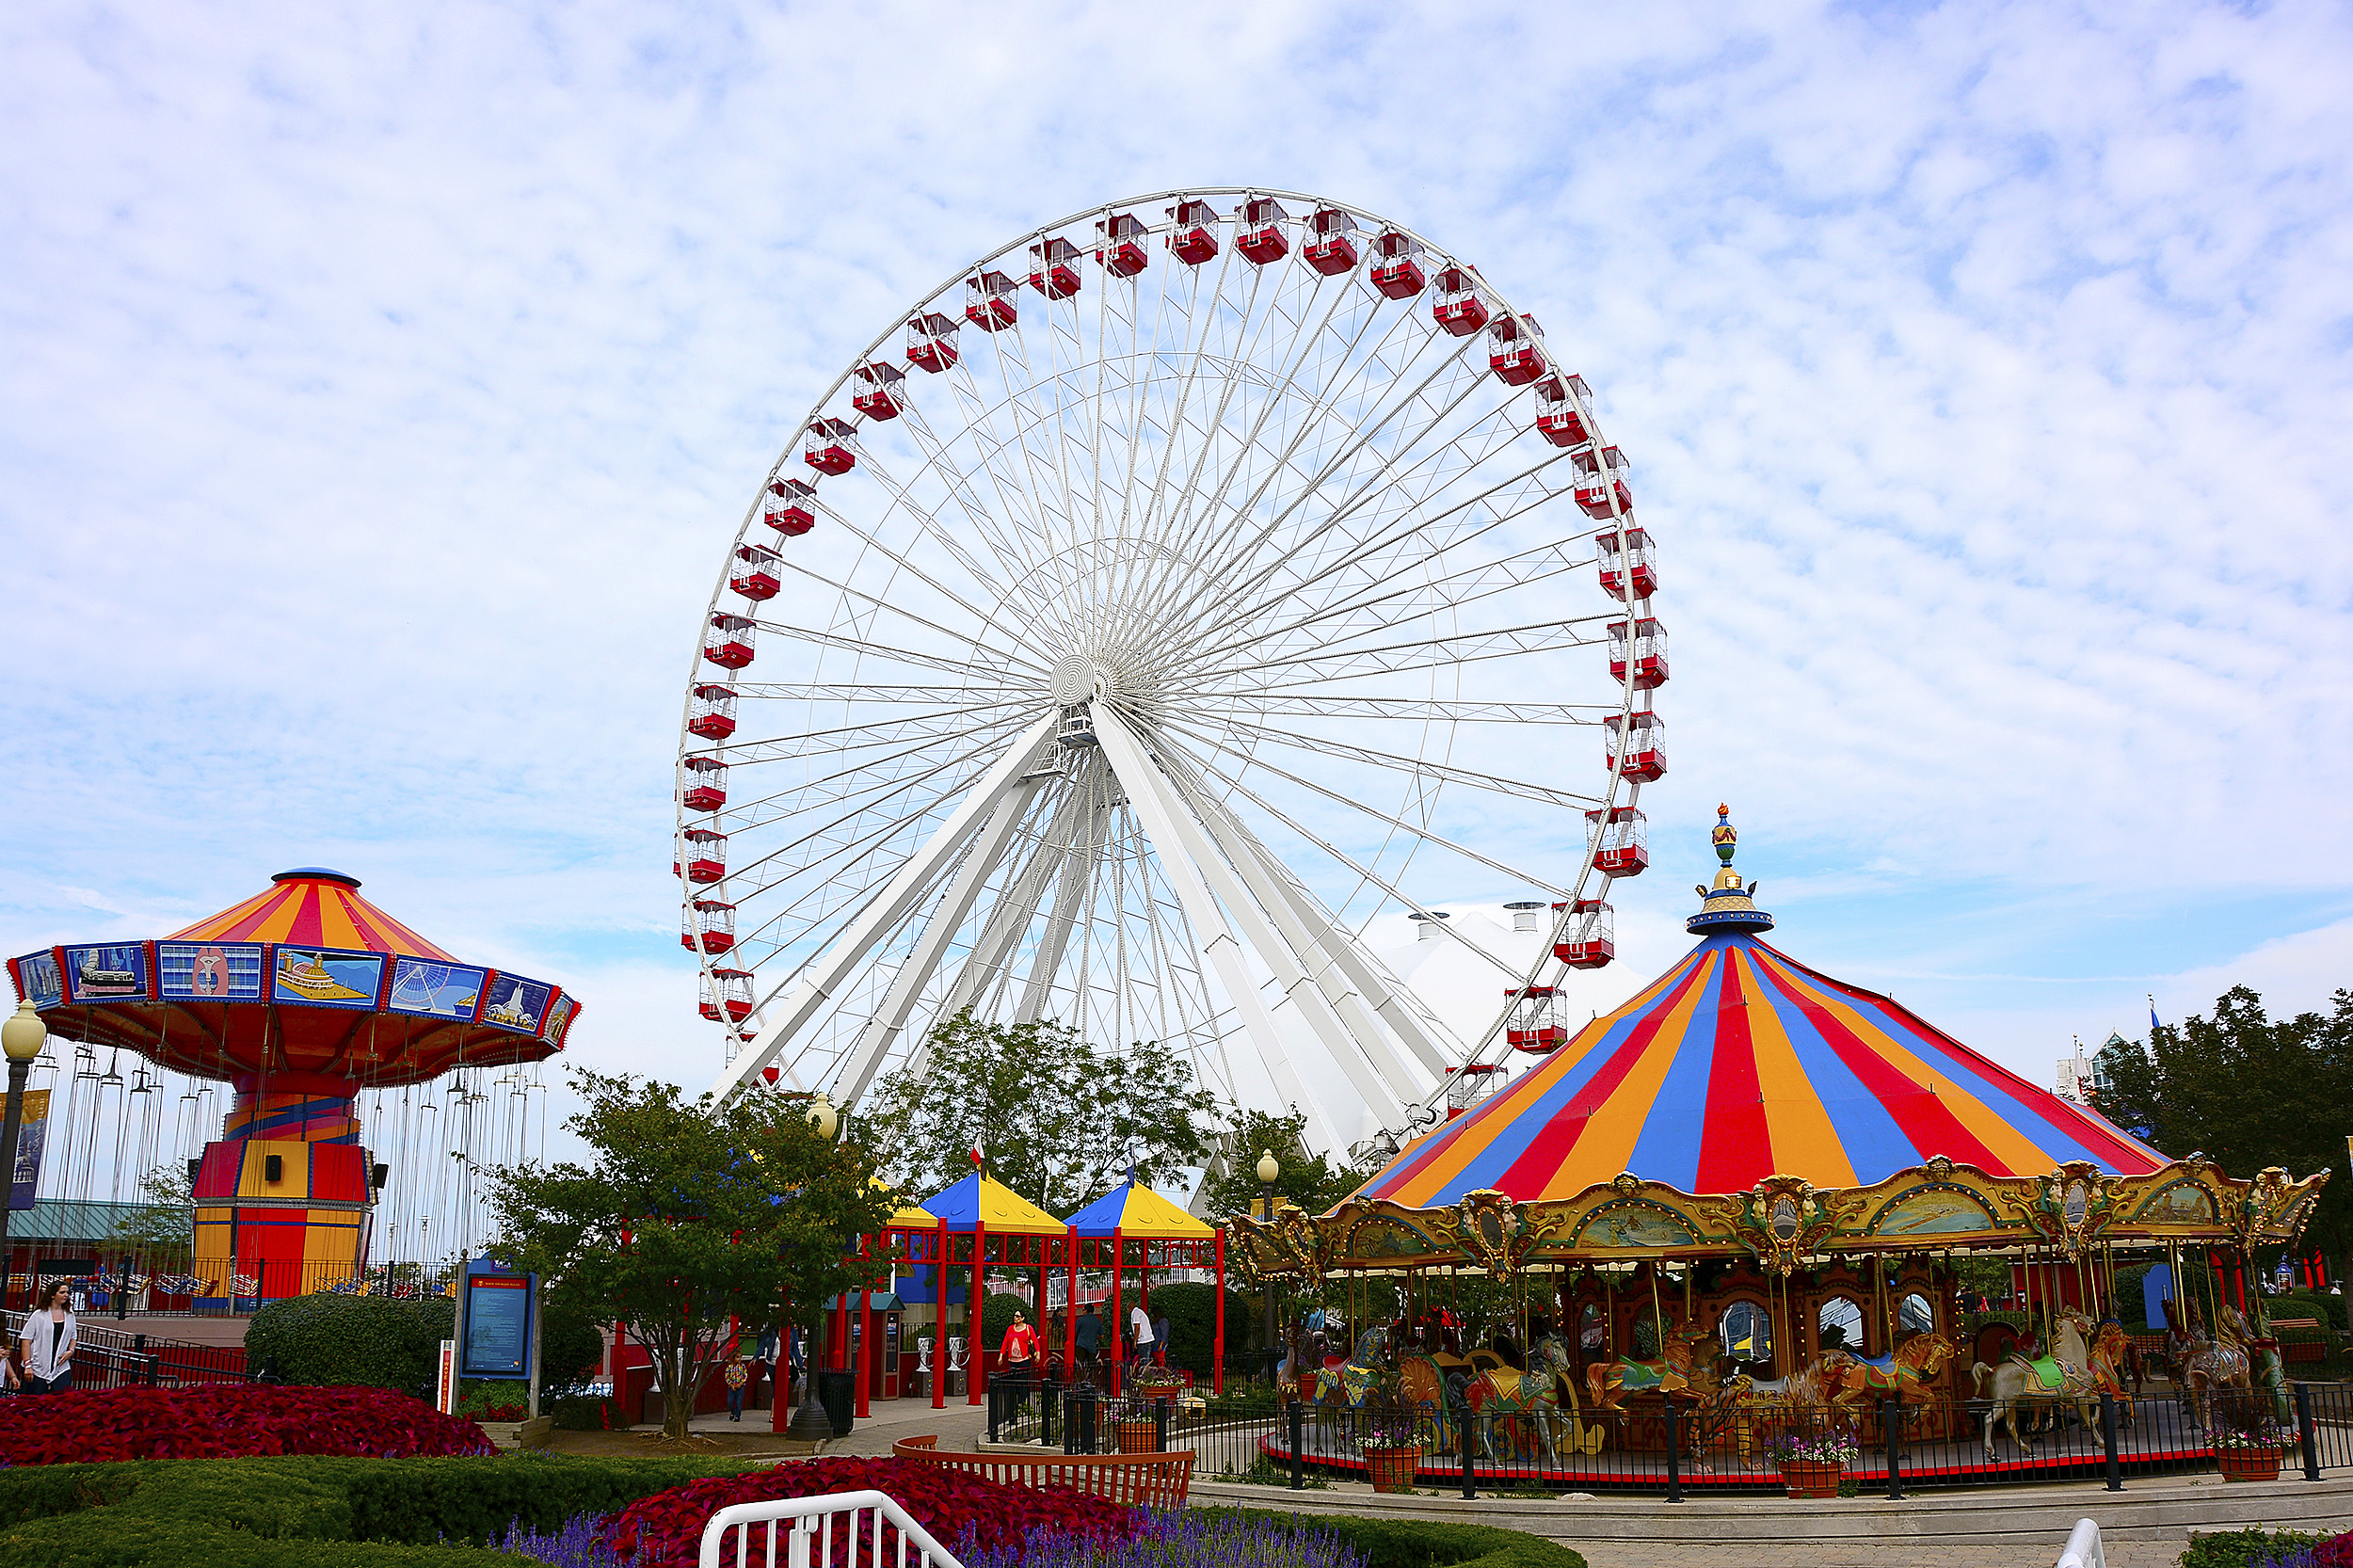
1139, 1435
1811, 1481
2249, 1463
1392, 1470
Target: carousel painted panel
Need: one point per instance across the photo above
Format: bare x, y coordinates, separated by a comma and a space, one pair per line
210, 971
37, 979
325, 977
108, 972
514, 1003
425, 989
1636, 1226
1938, 1209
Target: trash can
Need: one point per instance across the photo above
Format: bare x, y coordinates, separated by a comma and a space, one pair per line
837, 1390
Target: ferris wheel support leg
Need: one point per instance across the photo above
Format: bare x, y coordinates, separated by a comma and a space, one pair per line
885, 909
1196, 868
874, 1040
1344, 974
1008, 917
1071, 893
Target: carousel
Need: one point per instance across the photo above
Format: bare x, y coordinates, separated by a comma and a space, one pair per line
1755, 1189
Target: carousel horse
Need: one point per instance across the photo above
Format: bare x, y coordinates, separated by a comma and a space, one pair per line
2266, 1377
2210, 1363
1423, 1386
1553, 1355
1679, 1369
2061, 1375
1515, 1393
1354, 1379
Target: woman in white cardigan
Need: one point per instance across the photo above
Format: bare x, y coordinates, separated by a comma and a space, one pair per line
47, 1347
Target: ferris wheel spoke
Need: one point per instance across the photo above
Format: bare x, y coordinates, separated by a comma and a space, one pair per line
883, 651
864, 775
1493, 782
899, 792
906, 559
1458, 648
863, 691
957, 481
1427, 710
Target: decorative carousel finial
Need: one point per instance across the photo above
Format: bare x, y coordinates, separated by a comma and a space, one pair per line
1727, 905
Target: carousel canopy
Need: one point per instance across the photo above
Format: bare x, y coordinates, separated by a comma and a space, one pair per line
979, 1200
305, 983
1138, 1213
1740, 1063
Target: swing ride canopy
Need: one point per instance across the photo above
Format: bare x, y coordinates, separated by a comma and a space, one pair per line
1745, 1104
305, 977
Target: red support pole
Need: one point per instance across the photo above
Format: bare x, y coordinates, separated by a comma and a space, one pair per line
1070, 1311
1217, 1343
939, 1319
976, 1354
1117, 1360
865, 1329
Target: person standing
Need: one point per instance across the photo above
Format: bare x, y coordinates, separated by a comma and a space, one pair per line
739, 1376
48, 1344
1140, 1322
1159, 1339
1090, 1339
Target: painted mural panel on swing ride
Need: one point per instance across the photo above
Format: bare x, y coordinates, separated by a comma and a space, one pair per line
1220, 564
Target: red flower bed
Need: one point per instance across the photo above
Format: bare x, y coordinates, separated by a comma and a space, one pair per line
665, 1530
227, 1420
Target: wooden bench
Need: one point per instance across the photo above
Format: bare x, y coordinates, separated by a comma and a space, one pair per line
2309, 1349
1155, 1480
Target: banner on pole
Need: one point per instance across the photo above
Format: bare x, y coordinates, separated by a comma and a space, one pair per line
445, 1399
30, 1136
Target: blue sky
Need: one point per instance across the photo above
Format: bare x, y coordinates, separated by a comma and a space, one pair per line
382, 388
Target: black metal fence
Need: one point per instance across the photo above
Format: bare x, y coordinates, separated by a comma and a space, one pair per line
1884, 1448
110, 1358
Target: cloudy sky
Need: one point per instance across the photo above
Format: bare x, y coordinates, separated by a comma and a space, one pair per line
383, 385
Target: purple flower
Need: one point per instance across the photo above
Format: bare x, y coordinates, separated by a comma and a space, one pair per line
579, 1544
1185, 1536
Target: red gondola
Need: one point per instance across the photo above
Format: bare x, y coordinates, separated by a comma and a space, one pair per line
1330, 250
706, 783
728, 990
755, 574
880, 398
1621, 841
1649, 653
1590, 938
1458, 307
1258, 229
1535, 1025
932, 342
1636, 564
1591, 493
1515, 359
729, 643
832, 445
988, 300
1467, 1085
705, 857
1119, 245
1564, 410
1638, 745
1395, 272
790, 504
707, 926
1050, 272
713, 714
1195, 238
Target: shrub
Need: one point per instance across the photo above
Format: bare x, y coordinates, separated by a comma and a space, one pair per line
1411, 1544
665, 1530
2251, 1548
382, 1342
1229, 1541
997, 1310
227, 1422
1191, 1312
494, 1399
572, 1345
292, 1512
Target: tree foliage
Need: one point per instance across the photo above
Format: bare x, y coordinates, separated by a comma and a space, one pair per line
2247, 1091
1314, 1182
1059, 1119
163, 1227
692, 1215
382, 1341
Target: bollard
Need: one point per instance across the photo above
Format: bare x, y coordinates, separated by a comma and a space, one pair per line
995, 1404
1090, 1421
1470, 1482
2305, 1429
1159, 1426
1892, 1425
1674, 1455
2107, 1437
1298, 1435
1048, 1407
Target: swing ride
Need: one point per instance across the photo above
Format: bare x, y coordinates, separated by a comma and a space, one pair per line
1753, 1186
310, 1005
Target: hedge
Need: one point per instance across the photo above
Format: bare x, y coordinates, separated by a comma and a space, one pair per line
1415, 1543
286, 1512
1190, 1309
383, 1341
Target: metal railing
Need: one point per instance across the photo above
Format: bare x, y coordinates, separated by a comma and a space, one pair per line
873, 1530
2084, 1549
1698, 1448
110, 1359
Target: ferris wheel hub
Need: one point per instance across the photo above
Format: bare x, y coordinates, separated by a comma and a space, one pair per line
1076, 678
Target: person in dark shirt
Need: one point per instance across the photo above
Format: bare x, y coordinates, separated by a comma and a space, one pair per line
1090, 1339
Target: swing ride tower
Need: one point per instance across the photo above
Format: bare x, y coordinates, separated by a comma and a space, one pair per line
298, 997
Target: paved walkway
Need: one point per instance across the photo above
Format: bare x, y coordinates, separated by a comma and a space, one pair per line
959, 1426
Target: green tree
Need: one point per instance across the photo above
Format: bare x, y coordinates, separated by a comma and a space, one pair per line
1059, 1120
693, 1214
1314, 1182
2247, 1091
162, 1229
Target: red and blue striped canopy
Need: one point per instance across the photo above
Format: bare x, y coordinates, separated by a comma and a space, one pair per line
1740, 1063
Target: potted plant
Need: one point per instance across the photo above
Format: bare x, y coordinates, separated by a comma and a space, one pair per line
2247, 1444
1811, 1463
1392, 1448
1137, 1425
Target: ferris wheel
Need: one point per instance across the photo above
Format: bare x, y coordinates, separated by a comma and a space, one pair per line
1181, 532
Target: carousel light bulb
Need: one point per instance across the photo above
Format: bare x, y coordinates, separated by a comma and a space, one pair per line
1268, 1169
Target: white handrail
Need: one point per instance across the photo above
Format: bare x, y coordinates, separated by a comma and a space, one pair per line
808, 1544
2082, 1547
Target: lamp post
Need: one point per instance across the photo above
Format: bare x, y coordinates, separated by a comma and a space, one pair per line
810, 1421
22, 1037
1267, 1171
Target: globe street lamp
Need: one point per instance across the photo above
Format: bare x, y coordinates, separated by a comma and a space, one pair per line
22, 1037
1267, 1171
811, 1421
823, 1117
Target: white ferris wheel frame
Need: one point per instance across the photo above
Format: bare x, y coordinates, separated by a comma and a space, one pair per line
1238, 898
